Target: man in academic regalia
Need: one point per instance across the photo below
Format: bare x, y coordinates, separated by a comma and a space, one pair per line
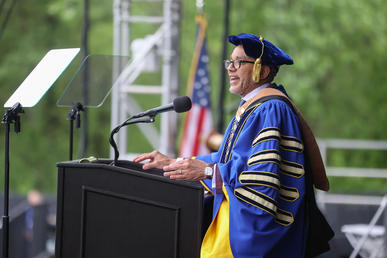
261, 178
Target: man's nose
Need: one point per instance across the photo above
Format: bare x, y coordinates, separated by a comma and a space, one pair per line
231, 67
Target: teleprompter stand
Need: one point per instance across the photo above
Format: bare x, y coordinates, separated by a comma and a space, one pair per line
28, 94
89, 88
10, 116
74, 114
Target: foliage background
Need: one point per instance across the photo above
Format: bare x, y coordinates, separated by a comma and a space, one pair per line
338, 79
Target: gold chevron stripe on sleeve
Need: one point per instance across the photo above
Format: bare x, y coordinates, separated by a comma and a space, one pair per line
284, 217
264, 156
292, 169
289, 194
291, 144
265, 203
256, 199
288, 143
267, 134
260, 178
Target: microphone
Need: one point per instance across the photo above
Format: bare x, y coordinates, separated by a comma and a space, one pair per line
180, 104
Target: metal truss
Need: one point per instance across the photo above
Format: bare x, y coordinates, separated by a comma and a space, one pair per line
160, 46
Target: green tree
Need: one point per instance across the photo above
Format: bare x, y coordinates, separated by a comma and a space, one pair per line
339, 49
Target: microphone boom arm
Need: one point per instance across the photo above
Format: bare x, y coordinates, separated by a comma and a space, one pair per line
131, 120
179, 105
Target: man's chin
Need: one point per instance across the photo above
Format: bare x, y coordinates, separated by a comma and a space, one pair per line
234, 90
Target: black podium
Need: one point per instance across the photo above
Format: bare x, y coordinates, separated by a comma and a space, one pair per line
123, 211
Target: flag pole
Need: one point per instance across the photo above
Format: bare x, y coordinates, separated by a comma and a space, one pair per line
202, 26
199, 6
198, 121
222, 88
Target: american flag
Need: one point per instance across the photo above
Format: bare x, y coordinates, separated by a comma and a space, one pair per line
198, 121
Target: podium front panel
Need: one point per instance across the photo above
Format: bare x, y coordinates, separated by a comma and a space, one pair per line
107, 211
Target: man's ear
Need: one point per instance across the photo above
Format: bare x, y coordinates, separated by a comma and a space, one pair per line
265, 71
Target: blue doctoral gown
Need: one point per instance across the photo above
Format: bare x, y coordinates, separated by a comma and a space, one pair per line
261, 163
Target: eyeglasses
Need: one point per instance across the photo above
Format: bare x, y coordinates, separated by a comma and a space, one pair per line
235, 63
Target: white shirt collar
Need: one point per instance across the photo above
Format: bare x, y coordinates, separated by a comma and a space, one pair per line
255, 91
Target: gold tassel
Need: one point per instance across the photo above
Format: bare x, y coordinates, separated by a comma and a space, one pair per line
257, 70
258, 63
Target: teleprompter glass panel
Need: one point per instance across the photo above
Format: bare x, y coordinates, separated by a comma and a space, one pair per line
93, 81
42, 77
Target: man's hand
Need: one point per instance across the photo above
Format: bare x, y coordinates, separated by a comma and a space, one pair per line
188, 169
157, 160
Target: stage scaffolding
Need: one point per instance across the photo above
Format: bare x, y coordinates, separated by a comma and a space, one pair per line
156, 51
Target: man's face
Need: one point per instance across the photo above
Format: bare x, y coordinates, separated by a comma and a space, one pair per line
241, 81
